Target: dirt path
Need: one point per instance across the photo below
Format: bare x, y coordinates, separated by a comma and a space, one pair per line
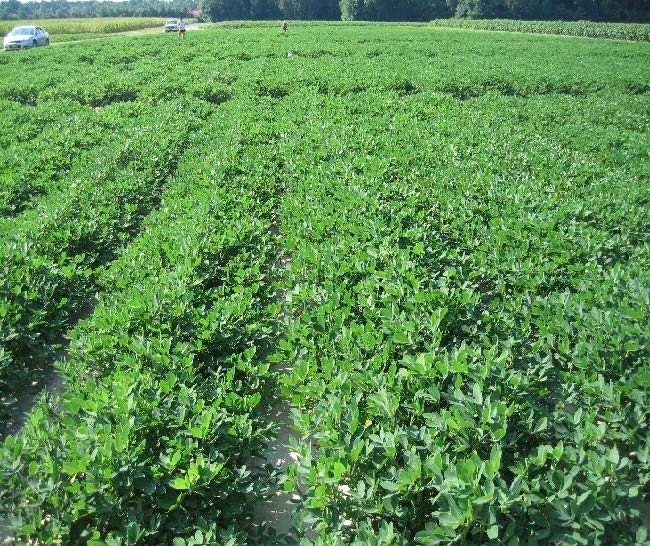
275, 512
139, 32
47, 380
273, 515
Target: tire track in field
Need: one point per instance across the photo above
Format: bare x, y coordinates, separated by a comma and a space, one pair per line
273, 516
275, 512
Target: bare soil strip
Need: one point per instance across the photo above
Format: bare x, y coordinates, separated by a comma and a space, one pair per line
46, 379
275, 512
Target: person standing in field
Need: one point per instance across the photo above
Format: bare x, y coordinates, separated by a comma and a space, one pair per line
181, 29
285, 26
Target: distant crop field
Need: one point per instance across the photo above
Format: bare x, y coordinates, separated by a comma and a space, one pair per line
637, 32
86, 26
392, 279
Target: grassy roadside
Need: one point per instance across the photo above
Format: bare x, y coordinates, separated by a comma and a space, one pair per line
99, 25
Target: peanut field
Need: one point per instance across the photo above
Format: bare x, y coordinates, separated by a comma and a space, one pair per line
431, 246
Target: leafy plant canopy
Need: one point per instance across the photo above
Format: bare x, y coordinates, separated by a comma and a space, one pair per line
432, 243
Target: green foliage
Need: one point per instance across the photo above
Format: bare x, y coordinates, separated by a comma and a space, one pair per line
53, 9
52, 252
37, 157
462, 313
152, 437
443, 344
351, 10
588, 29
347, 10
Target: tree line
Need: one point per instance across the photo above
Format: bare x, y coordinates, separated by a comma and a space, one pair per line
571, 10
425, 10
61, 9
347, 10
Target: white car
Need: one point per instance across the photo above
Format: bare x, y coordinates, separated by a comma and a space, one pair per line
23, 37
171, 25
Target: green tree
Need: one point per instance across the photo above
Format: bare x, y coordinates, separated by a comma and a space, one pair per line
480, 9
349, 10
220, 10
352, 10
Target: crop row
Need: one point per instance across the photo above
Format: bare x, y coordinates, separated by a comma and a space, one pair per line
469, 349
39, 157
465, 293
240, 62
615, 31
53, 252
155, 435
